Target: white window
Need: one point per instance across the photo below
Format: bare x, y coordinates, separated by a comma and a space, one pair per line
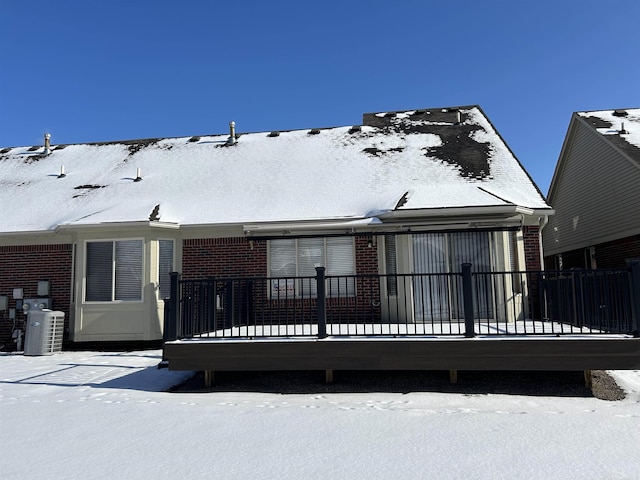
165, 267
114, 271
289, 258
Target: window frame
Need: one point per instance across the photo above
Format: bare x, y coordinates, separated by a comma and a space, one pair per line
302, 288
173, 266
114, 271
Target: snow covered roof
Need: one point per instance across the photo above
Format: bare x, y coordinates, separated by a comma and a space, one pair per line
621, 127
413, 160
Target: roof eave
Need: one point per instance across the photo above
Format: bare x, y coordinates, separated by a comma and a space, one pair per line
477, 211
111, 225
309, 226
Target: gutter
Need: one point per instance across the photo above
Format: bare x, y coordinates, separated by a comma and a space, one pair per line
111, 225
494, 210
542, 223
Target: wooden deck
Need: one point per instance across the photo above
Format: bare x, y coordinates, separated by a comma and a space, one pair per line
570, 352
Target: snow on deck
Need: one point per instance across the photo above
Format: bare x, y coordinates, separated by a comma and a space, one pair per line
524, 329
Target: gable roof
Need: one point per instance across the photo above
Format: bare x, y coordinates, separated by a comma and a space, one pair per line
595, 188
396, 161
619, 128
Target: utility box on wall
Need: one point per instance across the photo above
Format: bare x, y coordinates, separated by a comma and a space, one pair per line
44, 332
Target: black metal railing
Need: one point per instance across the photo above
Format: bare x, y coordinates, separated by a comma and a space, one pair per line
464, 303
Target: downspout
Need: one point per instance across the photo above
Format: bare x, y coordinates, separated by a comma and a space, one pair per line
542, 222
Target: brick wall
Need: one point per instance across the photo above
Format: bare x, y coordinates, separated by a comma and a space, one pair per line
612, 254
531, 237
615, 254
241, 257
22, 267
223, 257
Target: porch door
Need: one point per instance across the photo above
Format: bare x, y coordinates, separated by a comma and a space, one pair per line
431, 298
436, 294
474, 248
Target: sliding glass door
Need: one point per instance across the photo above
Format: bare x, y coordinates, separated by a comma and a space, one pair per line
436, 294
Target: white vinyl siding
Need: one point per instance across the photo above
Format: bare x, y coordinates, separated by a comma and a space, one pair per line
114, 271
300, 257
596, 195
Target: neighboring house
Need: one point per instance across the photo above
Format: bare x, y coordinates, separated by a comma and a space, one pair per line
595, 192
104, 223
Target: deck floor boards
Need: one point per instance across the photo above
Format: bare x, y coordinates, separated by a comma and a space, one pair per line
369, 347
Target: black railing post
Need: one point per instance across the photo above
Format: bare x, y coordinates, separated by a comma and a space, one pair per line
171, 311
212, 320
467, 295
634, 267
322, 310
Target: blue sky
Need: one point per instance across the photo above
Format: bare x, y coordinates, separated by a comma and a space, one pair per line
98, 70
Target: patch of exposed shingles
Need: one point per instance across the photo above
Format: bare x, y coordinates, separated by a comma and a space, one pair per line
136, 147
376, 152
619, 139
85, 189
34, 158
458, 148
462, 151
598, 122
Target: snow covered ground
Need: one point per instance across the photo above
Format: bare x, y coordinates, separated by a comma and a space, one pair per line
95, 415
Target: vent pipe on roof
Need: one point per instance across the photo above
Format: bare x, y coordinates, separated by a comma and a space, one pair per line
138, 175
47, 143
622, 130
458, 117
232, 133
62, 174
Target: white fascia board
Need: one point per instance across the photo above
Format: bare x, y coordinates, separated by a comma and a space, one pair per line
111, 225
22, 233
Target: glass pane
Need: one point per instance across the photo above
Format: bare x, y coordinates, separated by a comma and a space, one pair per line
165, 267
282, 262
310, 256
99, 271
128, 270
431, 283
391, 264
470, 247
282, 259
474, 248
340, 262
